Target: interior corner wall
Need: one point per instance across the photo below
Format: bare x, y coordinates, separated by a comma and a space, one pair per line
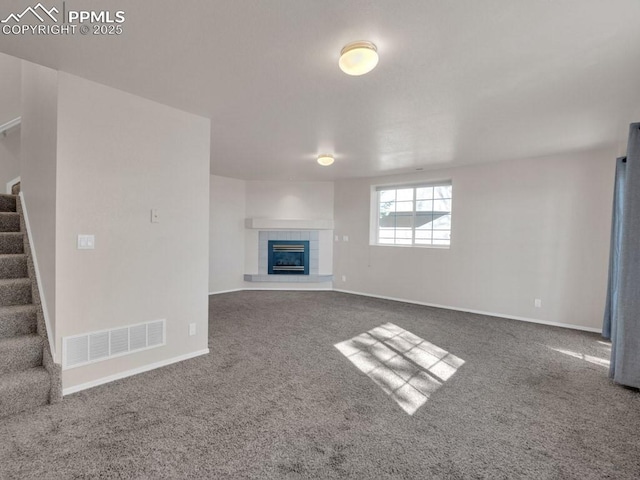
521, 230
227, 234
292, 201
10, 109
119, 157
9, 157
38, 172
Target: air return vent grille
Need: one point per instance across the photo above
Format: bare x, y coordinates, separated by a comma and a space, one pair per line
93, 347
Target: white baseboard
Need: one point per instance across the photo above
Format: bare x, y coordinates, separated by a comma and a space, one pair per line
226, 291
479, 312
163, 363
289, 289
425, 304
134, 371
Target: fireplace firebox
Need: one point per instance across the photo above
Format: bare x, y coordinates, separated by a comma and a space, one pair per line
288, 257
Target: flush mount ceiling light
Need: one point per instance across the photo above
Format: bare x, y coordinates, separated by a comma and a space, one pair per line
358, 58
325, 160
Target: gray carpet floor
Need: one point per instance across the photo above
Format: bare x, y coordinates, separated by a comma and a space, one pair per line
276, 399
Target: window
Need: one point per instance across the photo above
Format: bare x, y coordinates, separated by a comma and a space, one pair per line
418, 215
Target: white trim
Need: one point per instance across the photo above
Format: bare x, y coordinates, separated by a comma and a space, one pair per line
479, 312
287, 224
10, 124
289, 289
412, 183
132, 372
11, 183
398, 186
43, 300
374, 223
226, 291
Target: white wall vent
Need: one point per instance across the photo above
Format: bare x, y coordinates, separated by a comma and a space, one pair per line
98, 346
79, 350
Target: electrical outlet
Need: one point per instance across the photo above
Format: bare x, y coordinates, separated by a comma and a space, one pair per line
86, 242
538, 303
345, 238
337, 238
192, 329
344, 278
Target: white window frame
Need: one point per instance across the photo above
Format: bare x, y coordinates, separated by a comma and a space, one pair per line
375, 213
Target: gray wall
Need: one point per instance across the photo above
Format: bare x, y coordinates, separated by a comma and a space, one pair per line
119, 156
226, 234
9, 157
10, 108
39, 140
521, 230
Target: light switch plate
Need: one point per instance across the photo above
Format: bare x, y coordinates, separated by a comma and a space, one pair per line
155, 216
86, 242
192, 329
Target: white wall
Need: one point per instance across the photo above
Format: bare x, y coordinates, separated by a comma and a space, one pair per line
289, 200
119, 156
9, 157
226, 234
10, 79
38, 132
10, 108
521, 230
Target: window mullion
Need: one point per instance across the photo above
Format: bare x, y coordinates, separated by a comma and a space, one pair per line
395, 217
378, 196
413, 222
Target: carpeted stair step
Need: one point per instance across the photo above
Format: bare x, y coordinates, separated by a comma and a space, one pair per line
18, 320
20, 391
15, 291
7, 203
11, 242
20, 353
13, 266
9, 222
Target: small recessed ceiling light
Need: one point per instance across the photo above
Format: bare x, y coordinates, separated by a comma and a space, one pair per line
358, 58
325, 160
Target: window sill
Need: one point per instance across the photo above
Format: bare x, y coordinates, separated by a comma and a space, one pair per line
435, 247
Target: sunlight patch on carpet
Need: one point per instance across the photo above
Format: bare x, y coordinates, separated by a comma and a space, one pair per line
603, 362
406, 367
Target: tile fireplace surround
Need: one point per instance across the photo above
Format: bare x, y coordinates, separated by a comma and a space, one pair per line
263, 257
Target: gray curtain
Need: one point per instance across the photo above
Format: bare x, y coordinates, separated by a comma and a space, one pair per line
622, 311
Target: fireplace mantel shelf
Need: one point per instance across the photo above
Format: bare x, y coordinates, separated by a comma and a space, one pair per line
288, 224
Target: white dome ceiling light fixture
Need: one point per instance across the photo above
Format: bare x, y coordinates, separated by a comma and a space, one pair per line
325, 160
358, 58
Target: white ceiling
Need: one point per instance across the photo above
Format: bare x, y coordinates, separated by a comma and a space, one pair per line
458, 82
